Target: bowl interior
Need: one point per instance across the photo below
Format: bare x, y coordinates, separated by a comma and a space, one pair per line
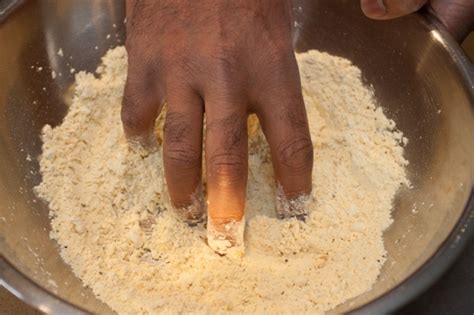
409, 66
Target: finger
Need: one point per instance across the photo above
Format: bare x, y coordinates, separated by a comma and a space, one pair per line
285, 125
389, 9
456, 15
141, 105
226, 160
182, 153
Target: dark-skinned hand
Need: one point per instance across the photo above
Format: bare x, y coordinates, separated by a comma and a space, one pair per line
224, 59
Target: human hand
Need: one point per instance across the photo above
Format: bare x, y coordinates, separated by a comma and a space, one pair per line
456, 15
226, 59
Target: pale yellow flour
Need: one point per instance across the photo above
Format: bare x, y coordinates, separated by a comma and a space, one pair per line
111, 217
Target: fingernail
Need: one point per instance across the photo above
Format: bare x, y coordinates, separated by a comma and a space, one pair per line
373, 8
192, 214
226, 239
294, 207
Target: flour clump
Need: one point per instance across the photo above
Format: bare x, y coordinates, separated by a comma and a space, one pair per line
111, 216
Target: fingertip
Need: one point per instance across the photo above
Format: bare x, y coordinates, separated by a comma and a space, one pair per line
293, 206
226, 221
226, 239
193, 214
374, 9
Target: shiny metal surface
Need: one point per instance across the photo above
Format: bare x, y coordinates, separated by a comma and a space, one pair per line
419, 75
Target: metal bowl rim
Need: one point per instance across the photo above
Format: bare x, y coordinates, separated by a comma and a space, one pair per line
415, 284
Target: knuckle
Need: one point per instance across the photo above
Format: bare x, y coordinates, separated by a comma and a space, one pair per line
233, 127
296, 155
177, 126
227, 169
178, 153
182, 157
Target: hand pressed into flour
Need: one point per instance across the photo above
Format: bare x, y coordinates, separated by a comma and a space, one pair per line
456, 15
226, 59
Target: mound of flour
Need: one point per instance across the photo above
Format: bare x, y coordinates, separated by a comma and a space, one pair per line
111, 217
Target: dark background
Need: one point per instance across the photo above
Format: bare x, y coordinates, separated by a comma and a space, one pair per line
452, 294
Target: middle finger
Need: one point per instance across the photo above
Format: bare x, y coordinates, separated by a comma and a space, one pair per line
227, 163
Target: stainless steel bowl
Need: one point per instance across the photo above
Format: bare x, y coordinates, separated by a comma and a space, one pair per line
420, 77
